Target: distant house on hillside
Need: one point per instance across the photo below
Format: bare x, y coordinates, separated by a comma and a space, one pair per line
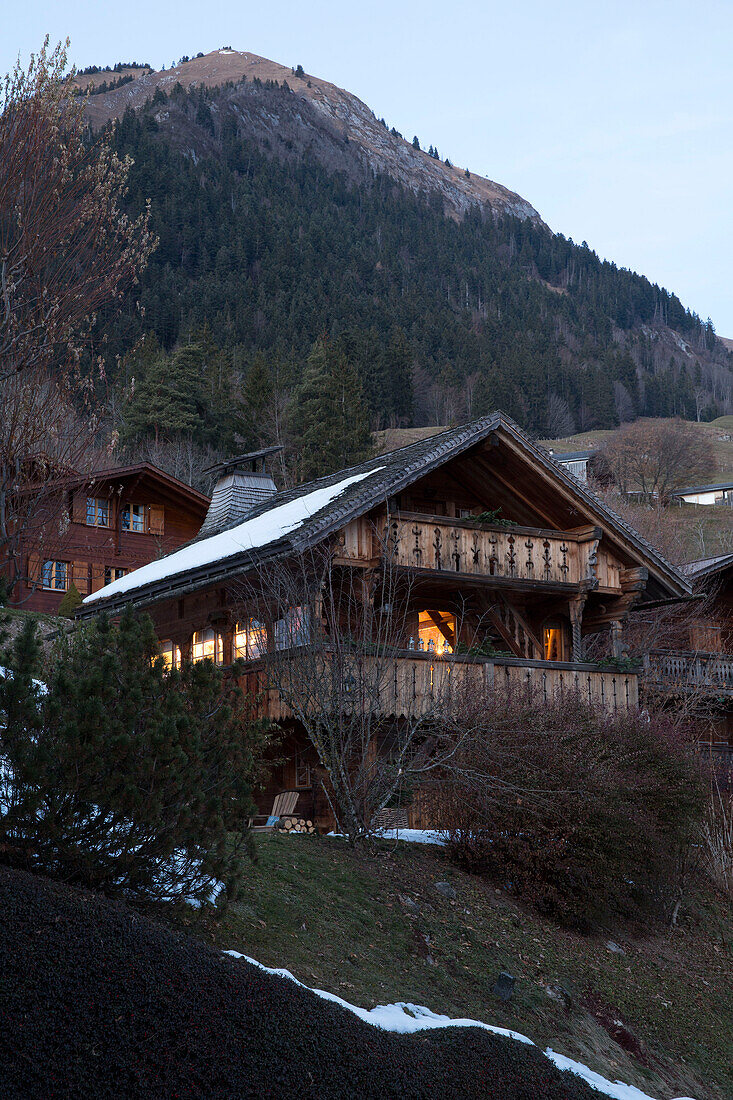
506, 565
575, 462
718, 493
97, 528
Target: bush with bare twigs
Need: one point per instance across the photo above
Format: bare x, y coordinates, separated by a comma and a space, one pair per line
581, 814
717, 839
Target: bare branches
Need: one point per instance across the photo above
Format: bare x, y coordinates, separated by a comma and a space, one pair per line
655, 457
66, 246
67, 249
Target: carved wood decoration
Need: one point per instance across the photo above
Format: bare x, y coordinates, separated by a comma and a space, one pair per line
516, 553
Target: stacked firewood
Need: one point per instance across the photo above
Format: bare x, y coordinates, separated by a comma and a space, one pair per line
296, 825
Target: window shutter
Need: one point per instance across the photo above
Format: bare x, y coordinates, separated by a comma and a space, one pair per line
155, 519
97, 577
34, 565
80, 576
79, 508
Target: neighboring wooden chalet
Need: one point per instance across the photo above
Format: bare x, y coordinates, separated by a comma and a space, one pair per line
100, 527
512, 563
698, 668
575, 462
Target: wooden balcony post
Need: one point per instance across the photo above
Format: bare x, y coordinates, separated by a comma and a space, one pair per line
576, 605
617, 648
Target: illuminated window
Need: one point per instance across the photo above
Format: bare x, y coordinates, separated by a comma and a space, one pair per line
436, 632
97, 512
111, 574
133, 517
55, 575
171, 654
293, 629
249, 639
207, 646
554, 641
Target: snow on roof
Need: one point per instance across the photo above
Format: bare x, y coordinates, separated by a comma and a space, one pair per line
252, 534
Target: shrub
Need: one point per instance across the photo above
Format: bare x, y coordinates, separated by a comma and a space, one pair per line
717, 838
120, 775
582, 814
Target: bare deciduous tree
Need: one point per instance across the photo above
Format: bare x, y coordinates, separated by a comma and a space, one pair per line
66, 249
335, 641
655, 457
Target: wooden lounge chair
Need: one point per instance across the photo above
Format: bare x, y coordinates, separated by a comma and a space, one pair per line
283, 806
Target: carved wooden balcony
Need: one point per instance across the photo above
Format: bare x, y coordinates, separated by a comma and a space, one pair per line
508, 556
708, 673
416, 685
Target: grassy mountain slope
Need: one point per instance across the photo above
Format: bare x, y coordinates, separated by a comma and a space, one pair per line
278, 222
373, 929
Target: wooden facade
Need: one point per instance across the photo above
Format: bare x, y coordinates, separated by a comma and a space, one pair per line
103, 527
509, 565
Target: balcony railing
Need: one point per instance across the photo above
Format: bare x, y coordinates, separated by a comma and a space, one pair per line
506, 553
420, 684
691, 671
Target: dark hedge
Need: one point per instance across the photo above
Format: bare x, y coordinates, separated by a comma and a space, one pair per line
99, 1001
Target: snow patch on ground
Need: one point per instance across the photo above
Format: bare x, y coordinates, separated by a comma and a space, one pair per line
615, 1089
406, 1019
39, 685
249, 535
414, 836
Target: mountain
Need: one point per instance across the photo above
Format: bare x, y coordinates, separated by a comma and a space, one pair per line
287, 212
339, 129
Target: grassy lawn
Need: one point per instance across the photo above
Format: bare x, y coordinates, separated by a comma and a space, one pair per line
371, 927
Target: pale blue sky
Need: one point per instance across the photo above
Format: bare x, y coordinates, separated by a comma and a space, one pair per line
615, 119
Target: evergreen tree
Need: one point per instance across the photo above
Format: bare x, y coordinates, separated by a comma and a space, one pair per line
120, 775
328, 416
415, 142
70, 601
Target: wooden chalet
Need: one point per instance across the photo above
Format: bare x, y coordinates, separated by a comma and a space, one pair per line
512, 563
697, 668
98, 528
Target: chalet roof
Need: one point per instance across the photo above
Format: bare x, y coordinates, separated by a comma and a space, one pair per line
703, 488
571, 456
298, 518
146, 469
707, 567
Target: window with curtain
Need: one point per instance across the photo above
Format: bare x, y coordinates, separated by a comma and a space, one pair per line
207, 646
171, 654
55, 575
249, 639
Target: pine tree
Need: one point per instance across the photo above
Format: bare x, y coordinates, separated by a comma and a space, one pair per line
328, 414
415, 142
123, 776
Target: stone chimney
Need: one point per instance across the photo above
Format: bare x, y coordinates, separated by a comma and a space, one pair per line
242, 483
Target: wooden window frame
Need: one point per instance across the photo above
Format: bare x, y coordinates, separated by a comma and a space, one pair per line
55, 563
218, 655
153, 519
98, 505
118, 570
249, 628
301, 762
175, 654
